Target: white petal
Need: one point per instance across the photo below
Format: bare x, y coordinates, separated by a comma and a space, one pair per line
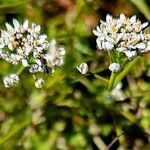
102, 22
41, 39
121, 49
122, 17
131, 54
37, 28
16, 24
144, 25
147, 48
8, 26
133, 19
141, 46
62, 51
1, 45
108, 18
96, 33
107, 45
98, 28
38, 61
99, 43
26, 24
53, 42
129, 28
10, 46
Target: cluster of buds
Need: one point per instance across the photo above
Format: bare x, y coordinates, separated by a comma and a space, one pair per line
23, 43
122, 37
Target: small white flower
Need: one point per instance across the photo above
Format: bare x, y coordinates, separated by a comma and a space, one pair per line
34, 68
25, 62
55, 54
41, 39
39, 83
117, 93
140, 46
131, 54
114, 67
10, 80
83, 68
107, 45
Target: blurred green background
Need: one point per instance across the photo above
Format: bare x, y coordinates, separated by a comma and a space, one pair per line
72, 111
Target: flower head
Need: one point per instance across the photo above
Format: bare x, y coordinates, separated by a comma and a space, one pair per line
123, 34
23, 43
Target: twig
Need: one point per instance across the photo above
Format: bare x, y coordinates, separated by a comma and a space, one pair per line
114, 141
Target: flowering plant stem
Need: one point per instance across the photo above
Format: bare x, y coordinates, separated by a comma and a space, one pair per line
123, 73
105, 81
19, 71
112, 81
13, 132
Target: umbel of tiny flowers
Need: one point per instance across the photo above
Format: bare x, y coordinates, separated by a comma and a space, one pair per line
23, 43
123, 39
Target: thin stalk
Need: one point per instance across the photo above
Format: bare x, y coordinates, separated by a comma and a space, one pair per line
99, 143
20, 70
114, 141
123, 73
105, 81
112, 81
128, 116
143, 7
13, 132
109, 56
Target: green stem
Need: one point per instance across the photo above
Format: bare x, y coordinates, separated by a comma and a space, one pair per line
105, 81
128, 116
123, 73
20, 70
13, 132
143, 7
99, 143
109, 56
112, 81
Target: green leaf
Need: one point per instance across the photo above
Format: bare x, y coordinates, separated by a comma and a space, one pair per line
143, 7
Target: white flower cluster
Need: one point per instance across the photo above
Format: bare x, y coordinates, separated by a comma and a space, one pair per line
123, 34
23, 43
10, 80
